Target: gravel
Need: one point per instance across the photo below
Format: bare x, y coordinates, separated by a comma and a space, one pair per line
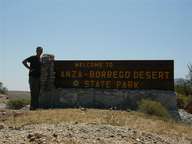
82, 133
86, 133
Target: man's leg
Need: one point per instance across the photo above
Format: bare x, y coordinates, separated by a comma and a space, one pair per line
35, 89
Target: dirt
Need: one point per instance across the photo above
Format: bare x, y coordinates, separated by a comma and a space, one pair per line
82, 133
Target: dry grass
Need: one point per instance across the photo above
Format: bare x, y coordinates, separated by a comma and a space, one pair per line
117, 118
3, 98
4, 101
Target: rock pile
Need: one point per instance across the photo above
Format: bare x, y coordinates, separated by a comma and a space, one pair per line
185, 116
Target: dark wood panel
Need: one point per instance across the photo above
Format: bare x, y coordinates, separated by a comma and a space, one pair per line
120, 74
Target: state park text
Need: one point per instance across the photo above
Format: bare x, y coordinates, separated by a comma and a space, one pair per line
115, 74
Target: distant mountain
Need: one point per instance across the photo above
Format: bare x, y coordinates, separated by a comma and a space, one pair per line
179, 81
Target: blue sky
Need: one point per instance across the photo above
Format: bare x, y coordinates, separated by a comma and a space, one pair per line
93, 29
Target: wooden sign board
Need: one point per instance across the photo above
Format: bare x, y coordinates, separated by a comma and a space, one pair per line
115, 74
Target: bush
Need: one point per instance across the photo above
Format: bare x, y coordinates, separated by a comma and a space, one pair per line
17, 103
183, 89
153, 108
183, 100
3, 89
183, 86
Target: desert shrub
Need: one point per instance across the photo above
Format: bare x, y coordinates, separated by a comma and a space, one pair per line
17, 103
153, 108
3, 89
183, 89
183, 86
183, 100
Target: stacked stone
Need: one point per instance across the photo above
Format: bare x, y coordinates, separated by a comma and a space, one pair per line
46, 97
47, 73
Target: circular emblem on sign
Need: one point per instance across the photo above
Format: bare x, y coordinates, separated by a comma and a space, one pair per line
76, 83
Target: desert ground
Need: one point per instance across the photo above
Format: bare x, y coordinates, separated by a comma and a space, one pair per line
88, 126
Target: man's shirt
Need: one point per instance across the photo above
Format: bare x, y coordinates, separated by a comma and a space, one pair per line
35, 66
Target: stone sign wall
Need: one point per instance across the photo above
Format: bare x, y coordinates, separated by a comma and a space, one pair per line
54, 96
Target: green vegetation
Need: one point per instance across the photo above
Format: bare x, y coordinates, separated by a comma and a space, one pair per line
17, 103
183, 88
3, 90
153, 108
183, 100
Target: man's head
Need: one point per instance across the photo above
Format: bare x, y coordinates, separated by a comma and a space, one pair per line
39, 51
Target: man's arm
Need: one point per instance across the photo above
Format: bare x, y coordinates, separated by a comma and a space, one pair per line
26, 64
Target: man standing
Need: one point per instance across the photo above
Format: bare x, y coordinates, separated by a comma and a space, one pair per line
33, 63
